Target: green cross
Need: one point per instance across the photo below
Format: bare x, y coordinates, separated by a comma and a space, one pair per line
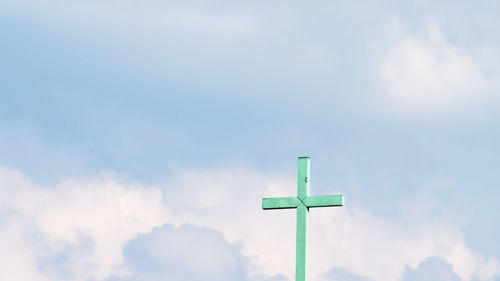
302, 202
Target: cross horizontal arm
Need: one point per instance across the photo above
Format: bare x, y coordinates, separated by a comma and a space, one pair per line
280, 203
324, 201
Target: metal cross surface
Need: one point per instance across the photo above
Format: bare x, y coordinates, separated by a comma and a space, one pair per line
302, 202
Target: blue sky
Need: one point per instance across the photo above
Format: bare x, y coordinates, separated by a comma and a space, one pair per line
137, 139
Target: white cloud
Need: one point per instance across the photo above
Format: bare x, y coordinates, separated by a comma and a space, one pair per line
229, 201
184, 253
340, 274
78, 229
379, 249
424, 75
433, 269
74, 231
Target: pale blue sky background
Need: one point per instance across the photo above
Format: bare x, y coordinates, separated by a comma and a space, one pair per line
396, 104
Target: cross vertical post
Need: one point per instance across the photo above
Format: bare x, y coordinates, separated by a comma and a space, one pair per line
302, 202
303, 173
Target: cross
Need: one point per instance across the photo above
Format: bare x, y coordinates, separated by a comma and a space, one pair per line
302, 203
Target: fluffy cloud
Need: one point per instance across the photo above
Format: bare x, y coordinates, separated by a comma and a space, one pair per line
79, 229
381, 249
229, 200
184, 253
74, 231
340, 274
432, 269
425, 75
350, 238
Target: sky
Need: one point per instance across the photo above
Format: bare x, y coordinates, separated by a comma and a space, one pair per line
138, 138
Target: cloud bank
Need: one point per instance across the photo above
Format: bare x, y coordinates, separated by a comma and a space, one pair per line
80, 230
